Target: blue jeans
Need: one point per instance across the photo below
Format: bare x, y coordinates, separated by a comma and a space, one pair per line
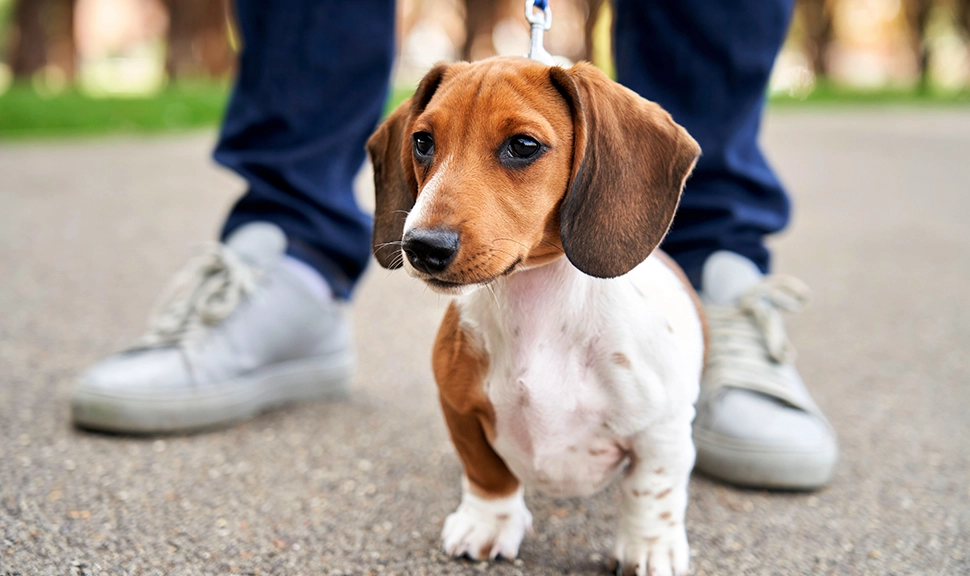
313, 79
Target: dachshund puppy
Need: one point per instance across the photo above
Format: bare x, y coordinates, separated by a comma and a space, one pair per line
561, 373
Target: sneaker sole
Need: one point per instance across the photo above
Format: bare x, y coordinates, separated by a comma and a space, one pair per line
265, 389
757, 466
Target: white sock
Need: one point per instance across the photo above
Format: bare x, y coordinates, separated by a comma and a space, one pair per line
312, 279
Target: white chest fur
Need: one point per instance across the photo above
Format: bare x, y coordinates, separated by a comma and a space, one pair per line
578, 366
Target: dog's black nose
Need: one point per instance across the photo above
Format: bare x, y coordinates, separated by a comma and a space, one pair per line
431, 251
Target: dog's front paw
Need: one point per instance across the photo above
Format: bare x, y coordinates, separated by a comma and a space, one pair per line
664, 555
486, 529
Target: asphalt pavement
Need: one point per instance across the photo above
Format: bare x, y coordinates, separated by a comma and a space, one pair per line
90, 230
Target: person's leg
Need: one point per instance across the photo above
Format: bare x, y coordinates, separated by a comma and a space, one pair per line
708, 63
247, 328
312, 83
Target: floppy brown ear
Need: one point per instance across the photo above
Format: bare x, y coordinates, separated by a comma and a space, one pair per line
395, 187
630, 161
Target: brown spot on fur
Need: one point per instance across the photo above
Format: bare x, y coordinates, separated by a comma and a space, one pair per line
641, 493
670, 328
665, 516
459, 367
620, 359
651, 539
502, 517
659, 470
664, 494
598, 451
484, 551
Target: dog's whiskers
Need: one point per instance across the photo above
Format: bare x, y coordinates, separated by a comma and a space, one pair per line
392, 244
557, 248
494, 296
509, 240
509, 254
397, 262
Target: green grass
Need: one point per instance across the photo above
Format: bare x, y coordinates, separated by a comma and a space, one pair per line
829, 94
398, 95
24, 114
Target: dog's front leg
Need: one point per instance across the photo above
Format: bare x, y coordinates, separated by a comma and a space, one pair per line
492, 518
651, 539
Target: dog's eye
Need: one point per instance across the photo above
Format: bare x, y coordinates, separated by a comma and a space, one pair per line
523, 147
423, 144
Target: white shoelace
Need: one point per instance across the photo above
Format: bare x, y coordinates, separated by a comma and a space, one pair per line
749, 348
202, 295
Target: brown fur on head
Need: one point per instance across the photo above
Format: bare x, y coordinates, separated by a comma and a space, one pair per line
603, 187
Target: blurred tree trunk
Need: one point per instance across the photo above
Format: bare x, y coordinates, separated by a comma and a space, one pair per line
817, 19
917, 16
592, 13
962, 18
198, 39
480, 19
43, 34
28, 39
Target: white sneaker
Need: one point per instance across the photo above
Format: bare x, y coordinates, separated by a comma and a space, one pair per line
756, 423
238, 334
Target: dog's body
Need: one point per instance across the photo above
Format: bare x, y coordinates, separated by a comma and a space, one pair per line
563, 372
580, 378
579, 367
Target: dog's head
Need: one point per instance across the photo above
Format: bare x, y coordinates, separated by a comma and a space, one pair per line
506, 163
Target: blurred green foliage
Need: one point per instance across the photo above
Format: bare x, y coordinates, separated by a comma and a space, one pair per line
25, 114
397, 96
831, 94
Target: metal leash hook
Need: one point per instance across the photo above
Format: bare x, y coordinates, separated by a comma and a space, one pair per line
540, 22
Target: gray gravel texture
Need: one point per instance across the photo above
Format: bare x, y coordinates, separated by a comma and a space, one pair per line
91, 230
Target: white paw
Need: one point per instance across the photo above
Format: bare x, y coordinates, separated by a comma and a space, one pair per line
664, 555
486, 529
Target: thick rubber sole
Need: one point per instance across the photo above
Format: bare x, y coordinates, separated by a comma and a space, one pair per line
755, 466
320, 378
